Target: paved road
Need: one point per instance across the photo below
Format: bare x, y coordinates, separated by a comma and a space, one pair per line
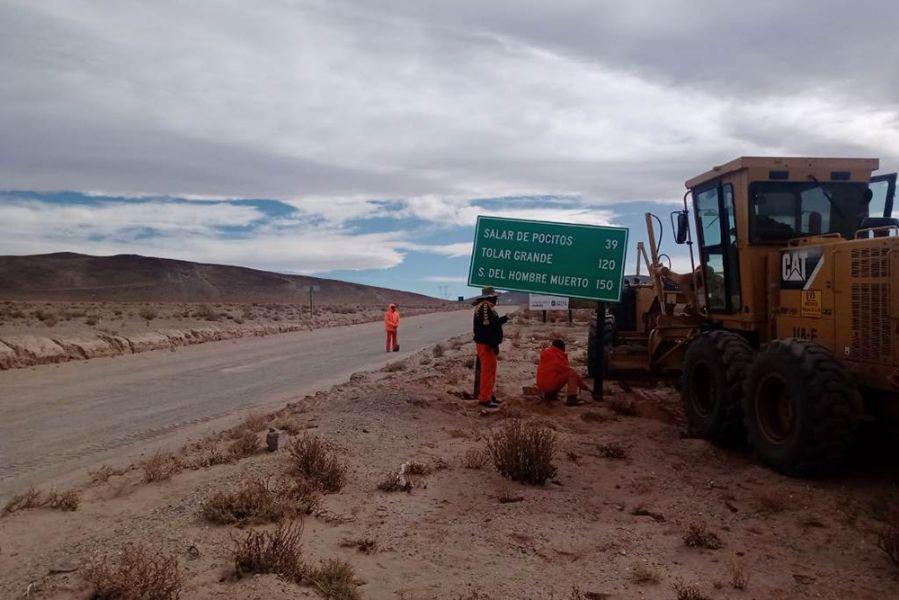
55, 419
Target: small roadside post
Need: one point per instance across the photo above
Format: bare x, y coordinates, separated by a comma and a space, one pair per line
599, 358
546, 303
311, 289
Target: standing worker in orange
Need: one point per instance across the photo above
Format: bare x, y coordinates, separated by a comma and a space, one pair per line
488, 335
554, 372
392, 325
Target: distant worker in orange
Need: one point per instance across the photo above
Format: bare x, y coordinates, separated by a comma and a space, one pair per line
554, 373
392, 325
488, 335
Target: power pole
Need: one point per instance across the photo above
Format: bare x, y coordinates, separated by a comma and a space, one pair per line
311, 289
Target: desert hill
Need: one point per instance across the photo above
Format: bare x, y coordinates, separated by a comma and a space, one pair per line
74, 277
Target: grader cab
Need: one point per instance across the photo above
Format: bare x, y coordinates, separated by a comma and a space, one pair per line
786, 332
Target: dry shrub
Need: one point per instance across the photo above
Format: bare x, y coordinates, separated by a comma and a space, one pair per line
289, 424
438, 351
138, 575
205, 311
418, 468
688, 591
258, 501
769, 503
31, 498
103, 473
160, 466
739, 575
277, 552
395, 366
246, 445
508, 496
475, 457
645, 575
611, 450
335, 579
211, 457
147, 314
522, 452
698, 536
67, 501
254, 423
363, 545
624, 406
394, 482
316, 460
888, 541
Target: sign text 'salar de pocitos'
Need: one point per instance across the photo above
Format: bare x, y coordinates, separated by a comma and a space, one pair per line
580, 261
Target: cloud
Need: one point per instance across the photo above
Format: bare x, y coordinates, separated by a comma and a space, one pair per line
456, 250
191, 231
333, 104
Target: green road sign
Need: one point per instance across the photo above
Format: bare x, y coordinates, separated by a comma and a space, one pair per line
578, 261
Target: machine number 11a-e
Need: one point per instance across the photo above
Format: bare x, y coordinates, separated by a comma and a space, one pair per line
805, 334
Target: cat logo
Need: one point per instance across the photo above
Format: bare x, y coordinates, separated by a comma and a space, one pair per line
798, 268
793, 266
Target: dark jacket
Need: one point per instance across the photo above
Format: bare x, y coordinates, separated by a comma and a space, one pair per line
488, 325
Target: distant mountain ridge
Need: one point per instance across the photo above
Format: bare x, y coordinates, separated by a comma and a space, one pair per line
67, 276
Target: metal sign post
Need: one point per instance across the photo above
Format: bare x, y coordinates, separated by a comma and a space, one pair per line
311, 289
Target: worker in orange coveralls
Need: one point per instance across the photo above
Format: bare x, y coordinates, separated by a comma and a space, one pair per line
554, 372
488, 335
392, 325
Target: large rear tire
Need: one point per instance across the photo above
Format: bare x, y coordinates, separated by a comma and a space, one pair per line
801, 408
712, 385
595, 345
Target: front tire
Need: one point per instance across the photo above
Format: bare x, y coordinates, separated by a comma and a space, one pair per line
801, 408
712, 385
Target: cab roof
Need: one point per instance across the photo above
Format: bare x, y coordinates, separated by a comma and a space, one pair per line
784, 163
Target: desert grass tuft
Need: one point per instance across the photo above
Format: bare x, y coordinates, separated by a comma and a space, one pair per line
888, 542
334, 579
688, 591
739, 574
611, 450
645, 575
624, 406
276, 552
245, 446
314, 459
522, 452
699, 536
475, 457
160, 466
31, 498
137, 574
258, 501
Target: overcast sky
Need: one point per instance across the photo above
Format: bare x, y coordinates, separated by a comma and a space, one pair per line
368, 135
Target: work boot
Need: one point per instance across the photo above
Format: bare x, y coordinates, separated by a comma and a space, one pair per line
489, 404
494, 399
396, 348
573, 400
551, 396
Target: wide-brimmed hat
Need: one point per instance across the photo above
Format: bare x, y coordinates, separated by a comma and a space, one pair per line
486, 293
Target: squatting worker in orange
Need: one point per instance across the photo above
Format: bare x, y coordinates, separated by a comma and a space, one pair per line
488, 335
554, 373
392, 325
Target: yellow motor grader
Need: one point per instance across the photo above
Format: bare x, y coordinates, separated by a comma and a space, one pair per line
786, 332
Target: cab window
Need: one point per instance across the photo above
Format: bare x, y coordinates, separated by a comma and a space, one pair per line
718, 247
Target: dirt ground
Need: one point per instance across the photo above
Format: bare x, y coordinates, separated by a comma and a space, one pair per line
610, 524
33, 333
